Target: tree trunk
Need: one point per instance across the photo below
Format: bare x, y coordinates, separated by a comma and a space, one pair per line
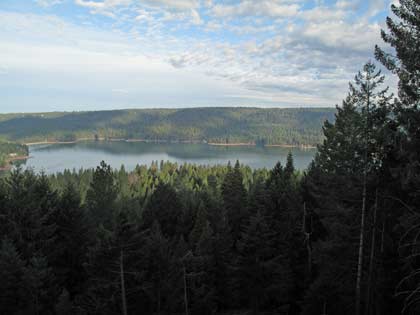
308, 241
362, 221
124, 303
361, 244
383, 236
372, 256
159, 290
185, 292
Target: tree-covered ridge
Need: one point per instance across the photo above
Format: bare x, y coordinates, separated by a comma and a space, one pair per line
221, 125
11, 150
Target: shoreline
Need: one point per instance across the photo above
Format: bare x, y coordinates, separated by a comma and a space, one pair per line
56, 141
234, 144
9, 162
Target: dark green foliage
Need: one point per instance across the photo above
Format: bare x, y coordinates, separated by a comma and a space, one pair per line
101, 197
13, 295
234, 200
164, 208
116, 254
157, 271
162, 224
402, 35
72, 238
261, 269
354, 145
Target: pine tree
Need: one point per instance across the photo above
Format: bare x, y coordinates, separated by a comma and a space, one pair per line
165, 208
403, 167
101, 196
404, 37
200, 223
262, 274
113, 269
202, 282
13, 296
38, 279
157, 270
367, 81
72, 237
179, 300
289, 169
346, 169
234, 200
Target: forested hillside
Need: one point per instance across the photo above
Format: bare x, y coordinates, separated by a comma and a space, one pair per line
221, 125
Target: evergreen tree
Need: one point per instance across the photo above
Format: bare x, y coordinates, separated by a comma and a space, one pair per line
157, 269
289, 169
13, 294
72, 237
403, 36
346, 170
402, 162
179, 297
165, 208
200, 224
39, 281
202, 289
234, 200
262, 276
101, 196
113, 269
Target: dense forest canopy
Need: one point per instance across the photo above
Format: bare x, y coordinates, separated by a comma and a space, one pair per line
302, 126
340, 238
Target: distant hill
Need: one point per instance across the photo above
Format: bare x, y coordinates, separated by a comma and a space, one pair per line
300, 126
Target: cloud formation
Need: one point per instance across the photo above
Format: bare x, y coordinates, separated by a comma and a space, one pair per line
187, 52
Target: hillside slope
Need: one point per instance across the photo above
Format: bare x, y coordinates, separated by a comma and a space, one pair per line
302, 126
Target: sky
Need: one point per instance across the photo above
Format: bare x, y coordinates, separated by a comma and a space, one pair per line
73, 55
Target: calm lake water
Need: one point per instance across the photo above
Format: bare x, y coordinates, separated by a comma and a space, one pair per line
58, 157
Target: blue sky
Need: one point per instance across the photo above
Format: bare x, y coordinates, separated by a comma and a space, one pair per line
107, 54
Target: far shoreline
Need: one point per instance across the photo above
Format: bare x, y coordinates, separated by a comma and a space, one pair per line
9, 162
233, 144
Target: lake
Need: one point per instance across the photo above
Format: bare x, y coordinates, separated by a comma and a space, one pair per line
54, 158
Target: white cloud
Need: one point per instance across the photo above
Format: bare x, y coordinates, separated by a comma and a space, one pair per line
91, 69
196, 19
109, 4
375, 6
192, 16
100, 5
340, 35
347, 4
322, 14
275, 52
48, 3
106, 7
175, 4
256, 8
